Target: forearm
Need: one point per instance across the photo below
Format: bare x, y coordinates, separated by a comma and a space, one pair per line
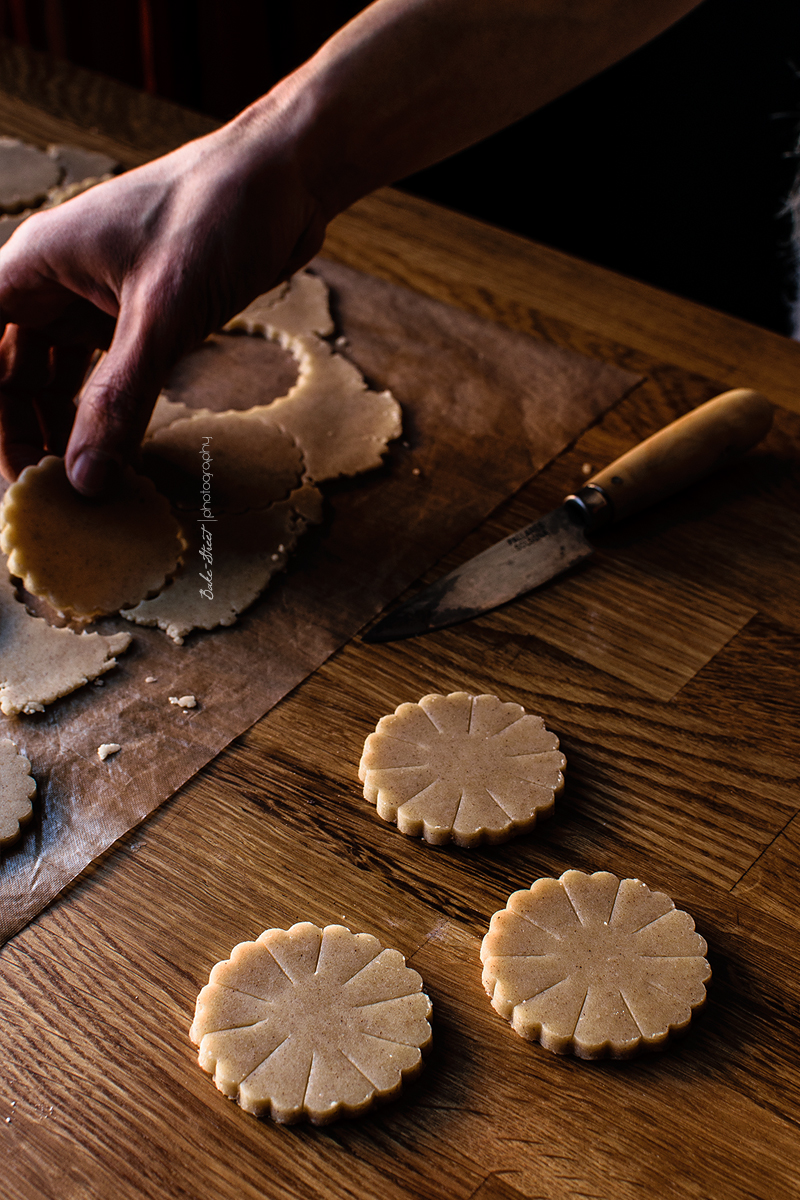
409, 82
154, 260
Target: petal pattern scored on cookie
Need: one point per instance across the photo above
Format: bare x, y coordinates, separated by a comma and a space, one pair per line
247, 550
16, 789
594, 966
462, 768
311, 1023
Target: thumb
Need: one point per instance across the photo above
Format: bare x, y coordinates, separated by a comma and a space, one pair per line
116, 402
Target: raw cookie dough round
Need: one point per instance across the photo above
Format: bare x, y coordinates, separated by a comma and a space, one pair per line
88, 557
311, 1023
461, 768
16, 789
594, 966
26, 175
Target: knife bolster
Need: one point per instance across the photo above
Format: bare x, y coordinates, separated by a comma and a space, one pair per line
592, 505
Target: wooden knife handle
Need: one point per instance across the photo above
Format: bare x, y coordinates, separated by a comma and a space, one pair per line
709, 436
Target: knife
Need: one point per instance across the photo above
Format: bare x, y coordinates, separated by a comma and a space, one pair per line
709, 436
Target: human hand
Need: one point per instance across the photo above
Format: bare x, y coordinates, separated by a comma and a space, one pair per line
145, 266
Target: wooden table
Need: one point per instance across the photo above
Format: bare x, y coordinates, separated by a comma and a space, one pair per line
672, 682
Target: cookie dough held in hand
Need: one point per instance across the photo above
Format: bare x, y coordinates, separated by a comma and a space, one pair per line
85, 557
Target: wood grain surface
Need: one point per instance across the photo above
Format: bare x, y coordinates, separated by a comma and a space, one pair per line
675, 695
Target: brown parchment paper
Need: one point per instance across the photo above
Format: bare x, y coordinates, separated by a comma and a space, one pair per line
483, 409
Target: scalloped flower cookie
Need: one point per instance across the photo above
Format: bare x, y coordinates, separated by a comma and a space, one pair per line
88, 558
311, 1023
594, 966
16, 789
462, 768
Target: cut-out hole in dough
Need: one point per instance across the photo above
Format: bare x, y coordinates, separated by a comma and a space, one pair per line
220, 374
249, 460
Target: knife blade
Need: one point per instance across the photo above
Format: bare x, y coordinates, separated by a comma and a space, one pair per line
713, 434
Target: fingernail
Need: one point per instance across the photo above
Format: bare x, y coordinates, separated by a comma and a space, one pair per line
91, 472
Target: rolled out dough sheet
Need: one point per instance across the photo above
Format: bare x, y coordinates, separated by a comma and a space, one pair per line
484, 409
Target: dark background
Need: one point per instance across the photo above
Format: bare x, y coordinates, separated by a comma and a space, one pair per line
672, 166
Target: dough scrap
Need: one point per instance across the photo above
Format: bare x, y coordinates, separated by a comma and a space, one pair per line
67, 191
309, 1022
39, 663
77, 164
16, 789
594, 966
343, 427
298, 306
26, 175
107, 749
247, 550
252, 461
462, 768
86, 557
55, 196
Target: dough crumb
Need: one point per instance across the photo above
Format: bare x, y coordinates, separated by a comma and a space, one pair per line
184, 701
462, 768
594, 966
311, 1023
106, 749
151, 679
